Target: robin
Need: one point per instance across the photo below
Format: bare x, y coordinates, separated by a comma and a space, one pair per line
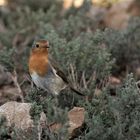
44, 71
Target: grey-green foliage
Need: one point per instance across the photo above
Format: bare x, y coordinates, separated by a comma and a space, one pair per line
76, 21
128, 117
90, 53
117, 117
37, 4
86, 52
6, 58
35, 112
4, 130
55, 114
125, 46
22, 26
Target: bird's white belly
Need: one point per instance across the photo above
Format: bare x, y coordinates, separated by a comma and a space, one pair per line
38, 81
51, 83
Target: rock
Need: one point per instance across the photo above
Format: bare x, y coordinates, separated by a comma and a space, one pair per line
76, 119
19, 115
114, 80
117, 17
55, 127
8, 93
134, 8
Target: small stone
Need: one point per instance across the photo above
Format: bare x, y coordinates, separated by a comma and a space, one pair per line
76, 119
19, 115
114, 80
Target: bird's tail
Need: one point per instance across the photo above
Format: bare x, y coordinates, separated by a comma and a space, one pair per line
76, 91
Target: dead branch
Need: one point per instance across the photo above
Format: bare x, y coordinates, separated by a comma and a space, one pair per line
15, 80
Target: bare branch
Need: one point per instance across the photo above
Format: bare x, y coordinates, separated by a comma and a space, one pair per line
14, 78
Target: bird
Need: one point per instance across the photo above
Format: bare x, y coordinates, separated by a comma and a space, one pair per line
45, 72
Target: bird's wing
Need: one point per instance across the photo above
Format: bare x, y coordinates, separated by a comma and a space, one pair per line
56, 68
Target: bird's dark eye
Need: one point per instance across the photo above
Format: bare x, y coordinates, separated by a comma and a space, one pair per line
37, 45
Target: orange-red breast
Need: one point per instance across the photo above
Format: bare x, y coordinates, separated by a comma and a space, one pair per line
44, 72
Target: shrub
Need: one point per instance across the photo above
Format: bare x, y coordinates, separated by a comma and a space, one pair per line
87, 55
116, 117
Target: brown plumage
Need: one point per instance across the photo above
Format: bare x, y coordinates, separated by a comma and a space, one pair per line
44, 71
38, 62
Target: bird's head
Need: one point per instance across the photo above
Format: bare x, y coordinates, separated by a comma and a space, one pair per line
38, 59
40, 46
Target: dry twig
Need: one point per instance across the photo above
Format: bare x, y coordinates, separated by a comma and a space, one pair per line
14, 78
